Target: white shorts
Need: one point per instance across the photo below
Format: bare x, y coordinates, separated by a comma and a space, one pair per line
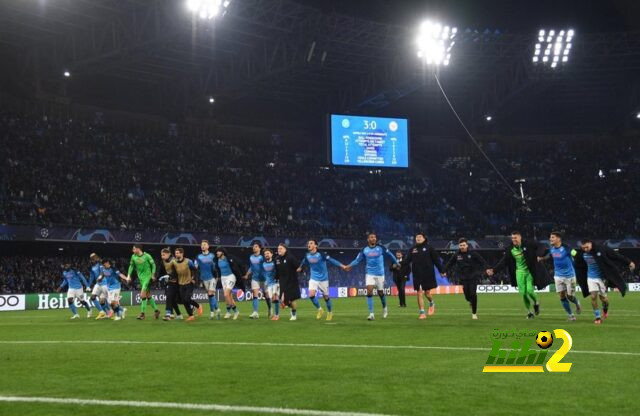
210, 285
76, 294
321, 286
567, 284
597, 285
372, 280
258, 284
100, 291
273, 290
228, 282
114, 295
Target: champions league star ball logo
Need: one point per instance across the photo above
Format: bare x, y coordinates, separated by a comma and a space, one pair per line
95, 235
184, 238
44, 232
327, 242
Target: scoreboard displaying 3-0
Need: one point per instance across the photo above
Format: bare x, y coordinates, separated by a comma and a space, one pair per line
369, 141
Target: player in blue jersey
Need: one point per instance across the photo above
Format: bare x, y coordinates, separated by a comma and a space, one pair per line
564, 273
258, 280
205, 264
229, 269
595, 265
111, 278
319, 276
75, 283
273, 285
373, 255
99, 292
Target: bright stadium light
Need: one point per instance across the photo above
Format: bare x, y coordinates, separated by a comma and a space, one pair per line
553, 47
488, 118
66, 74
638, 115
208, 9
435, 42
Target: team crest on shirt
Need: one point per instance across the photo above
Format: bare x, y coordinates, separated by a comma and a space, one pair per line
598, 254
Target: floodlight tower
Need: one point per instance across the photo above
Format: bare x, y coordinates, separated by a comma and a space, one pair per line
553, 48
435, 42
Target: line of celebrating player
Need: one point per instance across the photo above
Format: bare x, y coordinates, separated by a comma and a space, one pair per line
276, 274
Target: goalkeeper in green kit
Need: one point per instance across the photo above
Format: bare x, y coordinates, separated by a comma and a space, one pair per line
525, 272
145, 268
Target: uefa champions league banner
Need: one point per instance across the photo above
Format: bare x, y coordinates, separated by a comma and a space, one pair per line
30, 233
199, 295
185, 238
634, 287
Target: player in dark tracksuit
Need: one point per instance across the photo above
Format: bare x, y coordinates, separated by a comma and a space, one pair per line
420, 262
400, 279
286, 267
470, 265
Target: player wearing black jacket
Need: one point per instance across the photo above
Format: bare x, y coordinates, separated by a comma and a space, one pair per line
420, 261
400, 279
470, 266
286, 272
595, 264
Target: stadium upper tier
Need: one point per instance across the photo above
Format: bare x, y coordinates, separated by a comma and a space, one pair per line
76, 173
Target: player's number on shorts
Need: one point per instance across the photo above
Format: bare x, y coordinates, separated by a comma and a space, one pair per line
554, 364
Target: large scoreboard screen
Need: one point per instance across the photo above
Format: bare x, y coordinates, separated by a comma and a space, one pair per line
368, 141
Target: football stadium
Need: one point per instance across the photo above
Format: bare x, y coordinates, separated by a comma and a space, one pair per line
319, 207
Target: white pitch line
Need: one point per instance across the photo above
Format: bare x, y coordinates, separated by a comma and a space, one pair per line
185, 406
289, 344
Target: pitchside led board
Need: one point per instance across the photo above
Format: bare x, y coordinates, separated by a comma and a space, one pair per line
368, 141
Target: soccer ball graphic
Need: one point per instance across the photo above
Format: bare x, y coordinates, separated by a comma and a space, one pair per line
544, 339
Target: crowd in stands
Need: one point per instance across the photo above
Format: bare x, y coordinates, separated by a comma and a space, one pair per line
76, 173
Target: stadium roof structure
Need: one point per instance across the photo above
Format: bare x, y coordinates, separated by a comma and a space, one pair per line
291, 61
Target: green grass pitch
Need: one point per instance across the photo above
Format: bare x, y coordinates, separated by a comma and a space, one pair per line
371, 366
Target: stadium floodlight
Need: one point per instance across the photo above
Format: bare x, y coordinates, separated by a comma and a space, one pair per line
435, 42
488, 118
212, 100
66, 74
553, 47
638, 115
208, 9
